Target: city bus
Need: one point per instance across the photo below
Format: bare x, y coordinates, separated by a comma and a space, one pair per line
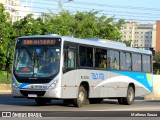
80, 71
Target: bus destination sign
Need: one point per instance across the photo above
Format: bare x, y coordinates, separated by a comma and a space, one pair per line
39, 42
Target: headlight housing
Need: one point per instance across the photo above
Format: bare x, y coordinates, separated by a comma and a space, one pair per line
53, 85
14, 82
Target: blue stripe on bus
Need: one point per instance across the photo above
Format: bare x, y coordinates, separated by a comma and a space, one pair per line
139, 77
21, 86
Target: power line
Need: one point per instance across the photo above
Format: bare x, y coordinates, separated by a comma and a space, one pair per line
107, 5
41, 3
96, 9
102, 10
104, 13
118, 6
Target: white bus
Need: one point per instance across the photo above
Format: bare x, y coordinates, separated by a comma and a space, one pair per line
81, 71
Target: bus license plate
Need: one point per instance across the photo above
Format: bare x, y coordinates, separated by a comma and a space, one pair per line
32, 95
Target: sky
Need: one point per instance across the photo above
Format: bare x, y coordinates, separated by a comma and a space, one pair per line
143, 11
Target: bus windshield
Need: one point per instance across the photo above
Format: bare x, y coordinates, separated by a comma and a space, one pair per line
36, 61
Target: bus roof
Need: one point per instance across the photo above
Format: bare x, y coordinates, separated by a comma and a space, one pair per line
93, 42
105, 44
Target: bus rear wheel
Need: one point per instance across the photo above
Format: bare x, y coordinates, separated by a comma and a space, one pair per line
81, 98
129, 99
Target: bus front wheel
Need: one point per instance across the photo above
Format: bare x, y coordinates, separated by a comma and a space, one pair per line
81, 98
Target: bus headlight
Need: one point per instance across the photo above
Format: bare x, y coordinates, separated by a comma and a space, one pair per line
53, 85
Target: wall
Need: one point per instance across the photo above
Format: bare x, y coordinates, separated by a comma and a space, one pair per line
156, 89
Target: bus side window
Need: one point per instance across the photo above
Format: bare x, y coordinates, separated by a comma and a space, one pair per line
69, 59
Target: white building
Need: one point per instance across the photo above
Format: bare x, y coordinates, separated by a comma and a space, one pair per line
16, 9
11, 7
140, 35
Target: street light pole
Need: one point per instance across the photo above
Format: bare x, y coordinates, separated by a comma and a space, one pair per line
60, 5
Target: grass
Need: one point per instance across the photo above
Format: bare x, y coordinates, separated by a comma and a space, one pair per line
4, 79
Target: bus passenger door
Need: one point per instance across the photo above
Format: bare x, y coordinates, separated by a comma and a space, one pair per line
69, 77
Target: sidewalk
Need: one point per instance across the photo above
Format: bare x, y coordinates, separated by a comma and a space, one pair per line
5, 88
152, 97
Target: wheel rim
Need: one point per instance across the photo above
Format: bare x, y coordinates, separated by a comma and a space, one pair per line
130, 96
81, 97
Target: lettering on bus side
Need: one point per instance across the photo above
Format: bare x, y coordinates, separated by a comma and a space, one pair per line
84, 77
97, 76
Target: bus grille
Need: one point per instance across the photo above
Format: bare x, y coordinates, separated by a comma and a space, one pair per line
38, 93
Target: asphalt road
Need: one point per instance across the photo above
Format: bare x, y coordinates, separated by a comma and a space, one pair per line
57, 109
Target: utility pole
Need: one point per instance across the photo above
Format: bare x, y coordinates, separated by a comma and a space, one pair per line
60, 4
43, 16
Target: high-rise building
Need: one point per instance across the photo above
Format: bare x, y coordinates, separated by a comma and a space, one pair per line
16, 9
11, 6
140, 35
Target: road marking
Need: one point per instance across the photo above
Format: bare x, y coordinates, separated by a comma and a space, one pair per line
130, 109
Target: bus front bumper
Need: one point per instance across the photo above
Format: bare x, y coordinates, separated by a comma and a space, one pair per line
32, 93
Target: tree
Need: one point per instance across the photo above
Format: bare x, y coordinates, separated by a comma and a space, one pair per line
28, 26
81, 25
156, 65
84, 25
5, 25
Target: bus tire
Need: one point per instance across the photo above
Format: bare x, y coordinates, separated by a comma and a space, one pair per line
81, 98
42, 101
129, 99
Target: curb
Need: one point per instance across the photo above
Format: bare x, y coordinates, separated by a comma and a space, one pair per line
152, 98
5, 91
5, 88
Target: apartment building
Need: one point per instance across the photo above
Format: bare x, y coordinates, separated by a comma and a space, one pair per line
16, 9
140, 35
11, 6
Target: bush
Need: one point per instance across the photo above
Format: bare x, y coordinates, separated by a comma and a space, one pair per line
5, 77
